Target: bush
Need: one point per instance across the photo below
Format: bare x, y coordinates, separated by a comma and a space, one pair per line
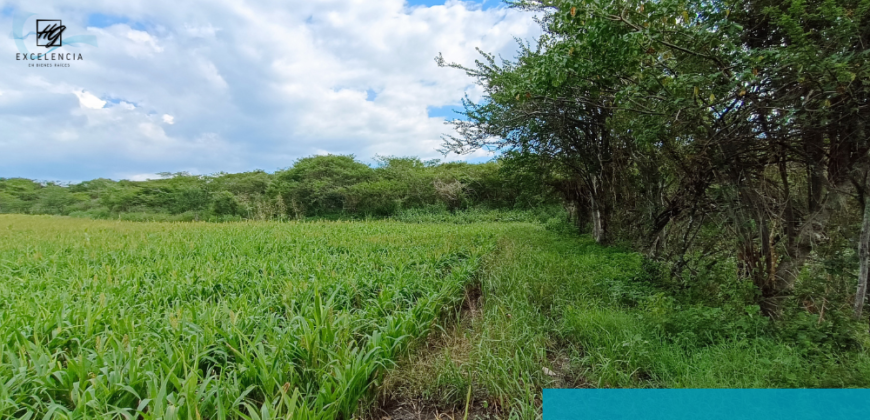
379, 198
94, 213
225, 204
559, 225
440, 214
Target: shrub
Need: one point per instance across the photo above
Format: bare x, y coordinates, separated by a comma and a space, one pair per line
225, 204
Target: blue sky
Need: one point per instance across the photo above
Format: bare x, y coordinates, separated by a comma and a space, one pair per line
102, 20
223, 85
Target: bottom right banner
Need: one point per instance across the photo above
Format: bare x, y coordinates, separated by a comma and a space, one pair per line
714, 404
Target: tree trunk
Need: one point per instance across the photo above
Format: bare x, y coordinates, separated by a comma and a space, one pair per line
814, 146
599, 210
582, 215
864, 258
599, 221
596, 221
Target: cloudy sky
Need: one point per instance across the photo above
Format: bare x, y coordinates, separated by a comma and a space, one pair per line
227, 85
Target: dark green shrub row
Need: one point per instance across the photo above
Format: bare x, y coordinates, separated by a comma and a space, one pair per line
317, 186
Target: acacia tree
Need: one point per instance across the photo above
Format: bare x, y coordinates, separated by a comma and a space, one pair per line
749, 117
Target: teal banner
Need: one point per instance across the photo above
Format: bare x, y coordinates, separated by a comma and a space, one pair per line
708, 404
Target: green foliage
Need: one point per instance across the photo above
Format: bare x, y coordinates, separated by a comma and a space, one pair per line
225, 204
319, 186
605, 317
380, 198
440, 214
10, 203
254, 183
108, 317
154, 320
732, 130
560, 225
17, 195
319, 183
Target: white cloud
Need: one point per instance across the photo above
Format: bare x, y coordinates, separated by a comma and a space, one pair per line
211, 73
88, 100
223, 85
206, 31
144, 40
142, 177
66, 135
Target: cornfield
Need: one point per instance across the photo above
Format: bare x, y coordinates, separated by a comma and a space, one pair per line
255, 320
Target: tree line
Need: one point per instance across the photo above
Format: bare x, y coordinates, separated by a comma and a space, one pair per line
702, 132
316, 186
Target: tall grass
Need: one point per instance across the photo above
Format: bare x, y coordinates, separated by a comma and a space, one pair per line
105, 319
436, 214
560, 311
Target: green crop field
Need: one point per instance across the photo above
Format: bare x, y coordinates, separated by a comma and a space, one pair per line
365, 319
158, 320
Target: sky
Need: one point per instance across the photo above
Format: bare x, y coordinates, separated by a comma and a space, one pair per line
228, 85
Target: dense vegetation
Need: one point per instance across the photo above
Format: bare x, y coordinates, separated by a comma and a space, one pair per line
158, 321
713, 135
597, 316
331, 319
317, 186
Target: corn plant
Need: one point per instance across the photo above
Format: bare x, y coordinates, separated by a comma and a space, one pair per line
253, 320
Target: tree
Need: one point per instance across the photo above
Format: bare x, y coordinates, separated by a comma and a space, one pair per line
667, 117
319, 183
225, 204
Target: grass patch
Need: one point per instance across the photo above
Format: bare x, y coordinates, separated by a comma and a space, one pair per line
561, 311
